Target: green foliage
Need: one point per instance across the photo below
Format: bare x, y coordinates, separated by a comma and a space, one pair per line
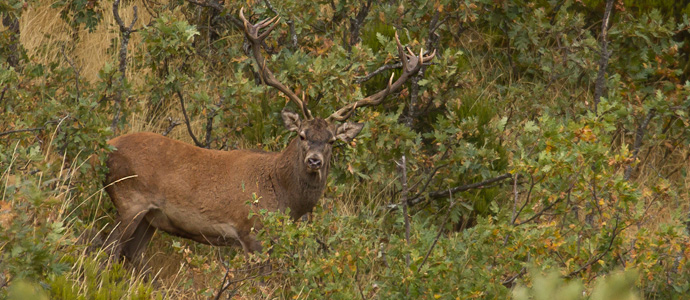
91, 281
79, 13
510, 91
619, 285
26, 290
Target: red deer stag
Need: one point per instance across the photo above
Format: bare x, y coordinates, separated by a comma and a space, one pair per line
201, 194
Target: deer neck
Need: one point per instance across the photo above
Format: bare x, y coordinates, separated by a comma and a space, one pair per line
302, 189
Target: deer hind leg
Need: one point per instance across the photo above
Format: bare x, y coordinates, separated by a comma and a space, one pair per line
141, 236
249, 243
127, 225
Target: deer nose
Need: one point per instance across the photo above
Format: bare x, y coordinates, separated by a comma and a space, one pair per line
314, 163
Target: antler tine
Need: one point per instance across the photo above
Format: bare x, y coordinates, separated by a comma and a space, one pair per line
267, 21
244, 20
410, 65
255, 40
411, 53
430, 56
401, 51
268, 31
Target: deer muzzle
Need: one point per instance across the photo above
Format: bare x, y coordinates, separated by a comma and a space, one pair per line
314, 162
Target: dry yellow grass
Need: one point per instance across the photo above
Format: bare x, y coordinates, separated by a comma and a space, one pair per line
44, 34
47, 38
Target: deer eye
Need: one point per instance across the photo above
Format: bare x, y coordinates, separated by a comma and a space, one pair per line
332, 140
302, 136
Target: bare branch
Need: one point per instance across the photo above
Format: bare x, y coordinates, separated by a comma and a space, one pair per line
403, 180
76, 71
11, 24
412, 113
600, 84
59, 121
208, 4
209, 121
2, 96
125, 32
529, 193
442, 194
219, 9
21, 130
440, 231
515, 198
186, 119
356, 23
173, 124
592, 260
433, 173
639, 134
548, 207
270, 6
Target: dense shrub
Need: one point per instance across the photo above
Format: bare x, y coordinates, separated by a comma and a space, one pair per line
516, 167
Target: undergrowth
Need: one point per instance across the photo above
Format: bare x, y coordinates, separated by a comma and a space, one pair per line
583, 196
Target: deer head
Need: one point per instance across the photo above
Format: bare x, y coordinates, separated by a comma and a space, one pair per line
316, 138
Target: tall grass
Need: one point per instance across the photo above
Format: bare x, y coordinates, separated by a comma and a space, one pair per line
352, 215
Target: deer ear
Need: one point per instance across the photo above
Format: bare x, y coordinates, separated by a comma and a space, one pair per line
291, 120
348, 131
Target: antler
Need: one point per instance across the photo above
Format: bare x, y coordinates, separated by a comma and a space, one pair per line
411, 64
256, 39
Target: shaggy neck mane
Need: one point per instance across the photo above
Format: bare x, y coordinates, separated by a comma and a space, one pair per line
304, 189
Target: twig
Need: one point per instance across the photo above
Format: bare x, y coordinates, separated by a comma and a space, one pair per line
433, 173
225, 284
598, 257
462, 188
359, 285
403, 180
412, 111
515, 199
209, 4
76, 71
125, 32
600, 83
219, 9
270, 6
355, 25
541, 212
529, 195
21, 130
440, 231
11, 23
186, 119
209, 121
173, 124
639, 134
509, 282
2, 96
554, 12
293, 34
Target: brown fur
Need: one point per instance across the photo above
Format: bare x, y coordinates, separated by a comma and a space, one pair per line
207, 195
